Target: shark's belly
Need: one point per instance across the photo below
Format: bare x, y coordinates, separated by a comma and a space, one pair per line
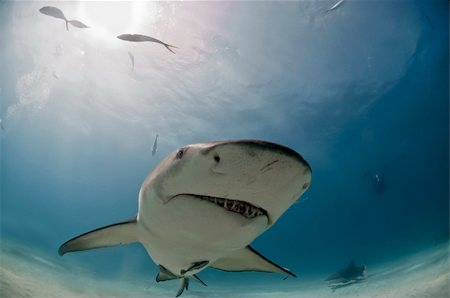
187, 230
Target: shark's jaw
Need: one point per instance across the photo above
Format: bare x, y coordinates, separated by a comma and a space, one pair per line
243, 208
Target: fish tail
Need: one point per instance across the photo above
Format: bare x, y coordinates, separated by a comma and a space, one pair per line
168, 46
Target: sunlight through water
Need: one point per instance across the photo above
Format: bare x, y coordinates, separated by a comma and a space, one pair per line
108, 19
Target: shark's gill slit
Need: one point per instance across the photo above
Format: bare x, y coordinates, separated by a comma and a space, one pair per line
243, 208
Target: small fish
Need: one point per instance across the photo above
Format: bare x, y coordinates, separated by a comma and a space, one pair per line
335, 5
1, 125
132, 60
155, 146
57, 13
141, 38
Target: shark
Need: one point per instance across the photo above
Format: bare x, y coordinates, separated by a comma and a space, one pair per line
204, 204
347, 276
57, 13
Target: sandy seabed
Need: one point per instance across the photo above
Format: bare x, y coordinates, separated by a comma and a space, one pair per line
23, 274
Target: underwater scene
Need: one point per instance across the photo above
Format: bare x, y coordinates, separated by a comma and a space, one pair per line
224, 149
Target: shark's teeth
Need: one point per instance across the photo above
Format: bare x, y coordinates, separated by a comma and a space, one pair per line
243, 208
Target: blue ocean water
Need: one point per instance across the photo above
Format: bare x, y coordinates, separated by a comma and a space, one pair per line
360, 88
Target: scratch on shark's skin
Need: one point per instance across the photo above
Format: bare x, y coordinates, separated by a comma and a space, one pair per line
251, 180
265, 168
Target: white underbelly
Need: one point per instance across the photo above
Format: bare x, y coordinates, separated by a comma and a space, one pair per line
185, 231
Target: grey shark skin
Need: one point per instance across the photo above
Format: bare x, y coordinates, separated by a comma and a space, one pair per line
57, 13
141, 38
204, 204
347, 276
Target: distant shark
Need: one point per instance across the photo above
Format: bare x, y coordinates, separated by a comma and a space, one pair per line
141, 38
57, 13
347, 276
204, 204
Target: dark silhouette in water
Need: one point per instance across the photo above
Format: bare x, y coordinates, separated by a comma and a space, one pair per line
141, 38
347, 276
57, 13
378, 180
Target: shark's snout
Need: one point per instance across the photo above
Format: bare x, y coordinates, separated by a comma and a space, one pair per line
252, 148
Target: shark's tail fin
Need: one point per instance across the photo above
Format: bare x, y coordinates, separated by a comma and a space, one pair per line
112, 235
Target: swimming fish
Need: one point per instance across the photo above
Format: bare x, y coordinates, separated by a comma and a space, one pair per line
204, 204
347, 276
335, 6
155, 146
131, 59
378, 180
57, 13
141, 38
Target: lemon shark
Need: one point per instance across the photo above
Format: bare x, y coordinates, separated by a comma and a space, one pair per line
347, 276
204, 204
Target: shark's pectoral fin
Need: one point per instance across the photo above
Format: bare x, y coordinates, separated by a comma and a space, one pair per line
115, 234
248, 259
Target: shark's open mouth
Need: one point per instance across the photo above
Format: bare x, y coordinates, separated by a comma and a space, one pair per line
243, 208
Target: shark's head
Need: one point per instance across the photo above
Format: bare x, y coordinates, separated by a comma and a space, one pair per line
245, 184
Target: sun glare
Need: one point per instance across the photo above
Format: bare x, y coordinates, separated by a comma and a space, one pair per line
107, 19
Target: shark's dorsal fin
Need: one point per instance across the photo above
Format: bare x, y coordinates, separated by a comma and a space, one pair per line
112, 235
248, 259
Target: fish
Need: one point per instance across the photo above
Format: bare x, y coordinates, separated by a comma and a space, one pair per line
132, 60
335, 6
1, 125
378, 180
57, 13
155, 146
347, 276
204, 204
141, 38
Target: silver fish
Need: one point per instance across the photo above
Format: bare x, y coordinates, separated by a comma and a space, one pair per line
141, 38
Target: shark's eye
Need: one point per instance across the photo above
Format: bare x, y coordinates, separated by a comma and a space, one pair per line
180, 154
217, 158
